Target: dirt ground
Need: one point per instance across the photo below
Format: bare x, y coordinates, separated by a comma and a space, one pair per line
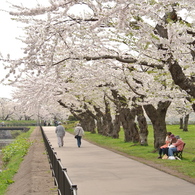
34, 176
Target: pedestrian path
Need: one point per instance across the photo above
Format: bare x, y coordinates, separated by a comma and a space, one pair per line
97, 171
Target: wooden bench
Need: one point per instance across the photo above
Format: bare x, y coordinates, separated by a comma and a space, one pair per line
179, 153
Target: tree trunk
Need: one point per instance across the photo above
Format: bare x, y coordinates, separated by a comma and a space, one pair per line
99, 120
180, 79
97, 117
127, 118
157, 117
116, 129
107, 119
86, 120
186, 119
181, 123
6, 118
143, 126
178, 76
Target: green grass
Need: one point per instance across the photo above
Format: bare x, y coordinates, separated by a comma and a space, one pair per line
186, 166
12, 156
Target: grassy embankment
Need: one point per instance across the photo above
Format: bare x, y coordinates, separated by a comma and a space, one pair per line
12, 155
19, 123
186, 166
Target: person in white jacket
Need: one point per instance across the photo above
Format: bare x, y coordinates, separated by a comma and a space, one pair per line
79, 132
60, 132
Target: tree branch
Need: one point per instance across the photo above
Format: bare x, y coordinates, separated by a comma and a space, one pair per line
107, 57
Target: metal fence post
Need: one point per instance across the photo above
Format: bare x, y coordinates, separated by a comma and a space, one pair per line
61, 178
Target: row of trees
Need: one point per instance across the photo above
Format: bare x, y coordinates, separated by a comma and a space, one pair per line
12, 110
110, 63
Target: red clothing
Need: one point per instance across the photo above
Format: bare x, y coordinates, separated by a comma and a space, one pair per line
179, 144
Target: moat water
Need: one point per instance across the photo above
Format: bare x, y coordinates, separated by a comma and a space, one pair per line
3, 143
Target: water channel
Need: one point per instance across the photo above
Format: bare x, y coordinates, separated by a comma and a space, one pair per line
5, 139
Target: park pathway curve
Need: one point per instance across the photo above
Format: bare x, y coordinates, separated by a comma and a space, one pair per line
97, 171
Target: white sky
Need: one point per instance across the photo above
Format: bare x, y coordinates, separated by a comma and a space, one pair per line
8, 42
9, 31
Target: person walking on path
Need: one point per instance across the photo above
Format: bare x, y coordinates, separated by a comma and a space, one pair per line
60, 132
79, 132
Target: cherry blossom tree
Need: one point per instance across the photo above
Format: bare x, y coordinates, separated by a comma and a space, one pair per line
32, 100
6, 109
152, 39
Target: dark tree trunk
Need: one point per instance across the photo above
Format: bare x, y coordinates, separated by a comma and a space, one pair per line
5, 118
116, 129
175, 69
181, 123
186, 119
100, 122
157, 117
99, 125
178, 76
86, 120
180, 79
97, 117
107, 119
127, 118
116, 122
193, 107
143, 126
92, 126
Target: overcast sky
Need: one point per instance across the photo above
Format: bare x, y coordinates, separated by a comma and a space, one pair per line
10, 30
8, 42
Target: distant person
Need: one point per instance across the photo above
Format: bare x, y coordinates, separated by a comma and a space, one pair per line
178, 146
56, 123
79, 132
164, 149
60, 132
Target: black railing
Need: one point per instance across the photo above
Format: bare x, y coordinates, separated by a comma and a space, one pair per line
61, 178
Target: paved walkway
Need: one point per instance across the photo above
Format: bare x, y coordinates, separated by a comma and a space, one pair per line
97, 171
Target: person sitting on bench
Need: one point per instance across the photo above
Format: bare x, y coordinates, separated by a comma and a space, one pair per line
164, 149
178, 146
